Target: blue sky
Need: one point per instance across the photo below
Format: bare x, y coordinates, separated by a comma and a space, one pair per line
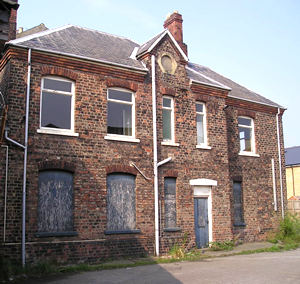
254, 43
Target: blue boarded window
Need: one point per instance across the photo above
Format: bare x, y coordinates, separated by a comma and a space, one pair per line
55, 204
238, 215
121, 213
170, 202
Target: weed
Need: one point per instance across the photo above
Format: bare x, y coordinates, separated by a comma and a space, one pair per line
226, 245
289, 228
177, 251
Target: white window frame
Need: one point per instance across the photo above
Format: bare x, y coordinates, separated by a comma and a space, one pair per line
58, 131
120, 137
172, 140
253, 148
203, 145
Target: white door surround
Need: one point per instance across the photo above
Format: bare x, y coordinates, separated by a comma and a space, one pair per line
202, 188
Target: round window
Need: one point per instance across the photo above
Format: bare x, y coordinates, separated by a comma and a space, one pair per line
166, 62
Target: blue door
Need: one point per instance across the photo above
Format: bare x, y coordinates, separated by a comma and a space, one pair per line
201, 222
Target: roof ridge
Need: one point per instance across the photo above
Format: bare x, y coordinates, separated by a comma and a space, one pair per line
159, 37
35, 35
105, 33
206, 77
49, 31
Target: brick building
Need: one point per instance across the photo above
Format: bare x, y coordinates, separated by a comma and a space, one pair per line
131, 148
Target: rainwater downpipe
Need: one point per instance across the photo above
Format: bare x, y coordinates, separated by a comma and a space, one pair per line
274, 184
155, 163
25, 157
155, 170
280, 163
5, 192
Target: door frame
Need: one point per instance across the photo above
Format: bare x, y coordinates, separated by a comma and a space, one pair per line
203, 188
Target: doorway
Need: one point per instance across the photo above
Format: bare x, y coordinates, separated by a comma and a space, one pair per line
201, 222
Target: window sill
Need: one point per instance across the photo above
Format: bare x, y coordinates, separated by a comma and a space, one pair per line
57, 132
55, 234
175, 229
249, 154
239, 225
206, 147
137, 231
121, 138
170, 143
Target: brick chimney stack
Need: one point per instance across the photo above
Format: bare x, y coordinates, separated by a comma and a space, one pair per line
174, 24
13, 21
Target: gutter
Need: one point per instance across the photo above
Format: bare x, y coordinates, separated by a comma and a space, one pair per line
208, 84
121, 66
280, 163
260, 103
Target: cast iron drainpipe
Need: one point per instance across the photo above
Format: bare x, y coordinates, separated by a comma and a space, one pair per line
280, 163
155, 163
5, 191
25, 147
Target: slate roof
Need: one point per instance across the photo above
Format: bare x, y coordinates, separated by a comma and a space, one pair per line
99, 46
83, 43
292, 156
237, 91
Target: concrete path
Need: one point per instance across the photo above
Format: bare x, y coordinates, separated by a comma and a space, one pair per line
282, 267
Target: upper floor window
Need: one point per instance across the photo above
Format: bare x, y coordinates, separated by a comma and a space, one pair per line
246, 134
57, 105
168, 119
201, 124
120, 112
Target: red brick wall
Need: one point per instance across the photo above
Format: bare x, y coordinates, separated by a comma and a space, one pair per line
91, 157
256, 174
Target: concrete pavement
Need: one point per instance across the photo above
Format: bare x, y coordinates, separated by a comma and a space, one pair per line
282, 267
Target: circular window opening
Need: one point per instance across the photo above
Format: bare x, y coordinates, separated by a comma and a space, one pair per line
166, 63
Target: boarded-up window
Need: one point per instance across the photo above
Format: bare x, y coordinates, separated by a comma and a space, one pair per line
55, 207
120, 202
170, 202
238, 203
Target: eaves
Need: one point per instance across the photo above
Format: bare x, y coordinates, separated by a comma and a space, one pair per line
143, 71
